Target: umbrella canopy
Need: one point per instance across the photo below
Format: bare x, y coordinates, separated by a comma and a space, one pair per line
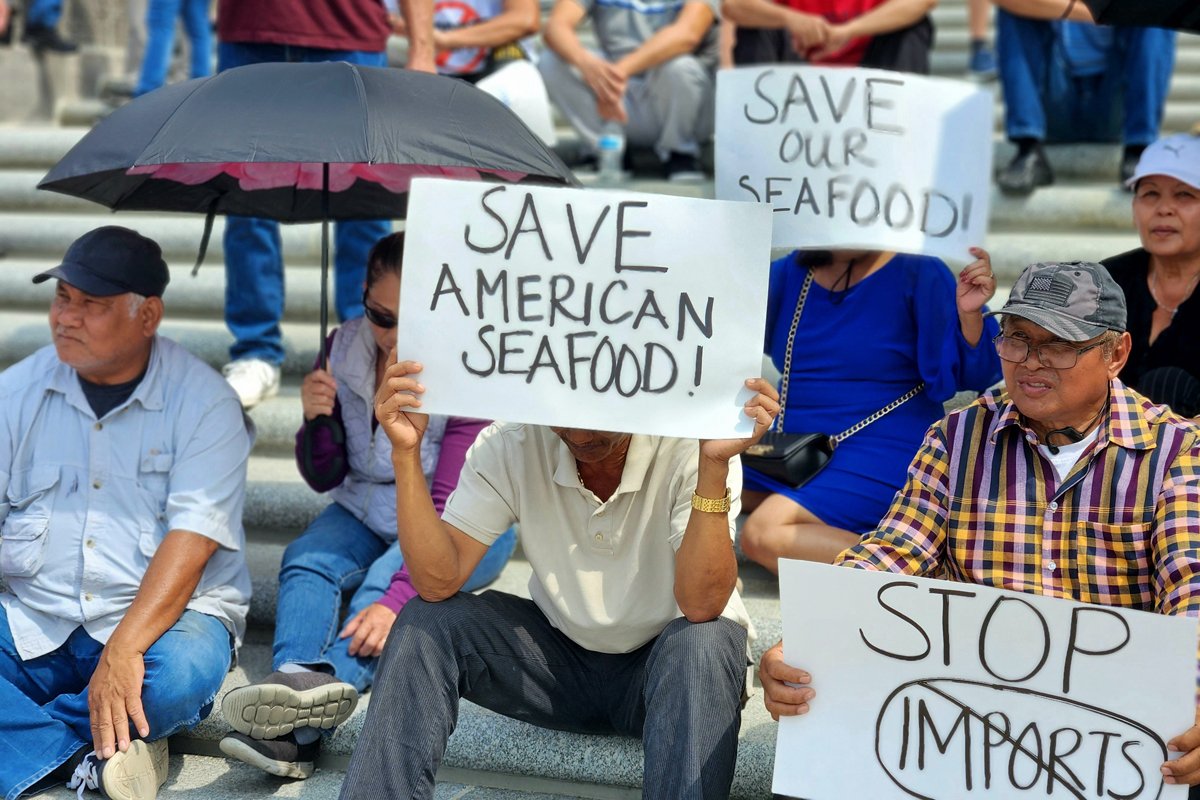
1178, 14
255, 141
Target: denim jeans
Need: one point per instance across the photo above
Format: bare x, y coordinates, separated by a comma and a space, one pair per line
46, 13
1123, 102
337, 554
254, 293
44, 701
160, 40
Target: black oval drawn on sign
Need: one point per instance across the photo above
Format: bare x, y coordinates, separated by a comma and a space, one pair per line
1010, 741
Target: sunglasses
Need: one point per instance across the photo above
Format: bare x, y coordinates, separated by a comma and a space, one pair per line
380, 319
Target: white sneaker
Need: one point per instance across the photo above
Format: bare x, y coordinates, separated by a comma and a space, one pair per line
135, 774
253, 379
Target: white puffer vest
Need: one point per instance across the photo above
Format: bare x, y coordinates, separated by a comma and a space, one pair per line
369, 490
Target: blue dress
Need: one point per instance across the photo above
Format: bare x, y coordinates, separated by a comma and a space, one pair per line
856, 351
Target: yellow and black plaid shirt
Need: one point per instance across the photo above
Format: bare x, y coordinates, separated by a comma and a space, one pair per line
981, 505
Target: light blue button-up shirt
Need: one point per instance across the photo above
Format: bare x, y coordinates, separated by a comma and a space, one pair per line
85, 502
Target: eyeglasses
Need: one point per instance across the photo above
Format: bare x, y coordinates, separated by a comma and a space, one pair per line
1054, 355
380, 319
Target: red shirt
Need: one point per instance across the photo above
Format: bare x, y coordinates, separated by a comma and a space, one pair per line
838, 11
327, 24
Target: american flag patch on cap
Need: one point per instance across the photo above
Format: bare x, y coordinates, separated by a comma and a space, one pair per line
1051, 290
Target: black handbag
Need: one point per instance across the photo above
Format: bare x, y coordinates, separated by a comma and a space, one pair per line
790, 458
794, 459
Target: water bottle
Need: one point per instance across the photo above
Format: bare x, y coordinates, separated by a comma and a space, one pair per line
612, 153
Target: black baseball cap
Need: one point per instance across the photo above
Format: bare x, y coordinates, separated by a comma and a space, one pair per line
112, 260
1074, 300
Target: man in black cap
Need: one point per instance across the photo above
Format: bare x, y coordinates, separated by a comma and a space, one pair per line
1066, 483
122, 474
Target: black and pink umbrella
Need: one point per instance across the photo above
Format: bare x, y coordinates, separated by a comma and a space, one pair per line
300, 143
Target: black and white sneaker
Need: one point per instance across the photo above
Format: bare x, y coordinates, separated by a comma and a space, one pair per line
135, 774
283, 756
286, 701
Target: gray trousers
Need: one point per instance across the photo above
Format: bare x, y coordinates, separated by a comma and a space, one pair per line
670, 106
680, 693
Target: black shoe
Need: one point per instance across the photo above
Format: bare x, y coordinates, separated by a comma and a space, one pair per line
1025, 173
282, 756
683, 167
1130, 157
42, 37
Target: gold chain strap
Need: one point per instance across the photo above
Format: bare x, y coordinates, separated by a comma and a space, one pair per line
787, 371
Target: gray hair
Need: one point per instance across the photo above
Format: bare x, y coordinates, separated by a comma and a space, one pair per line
134, 304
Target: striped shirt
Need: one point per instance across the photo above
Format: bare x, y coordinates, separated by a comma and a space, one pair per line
982, 505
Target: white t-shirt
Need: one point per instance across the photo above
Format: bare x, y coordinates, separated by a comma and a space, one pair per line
1064, 460
603, 572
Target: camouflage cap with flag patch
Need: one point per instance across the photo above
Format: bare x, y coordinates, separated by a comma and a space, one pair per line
1074, 300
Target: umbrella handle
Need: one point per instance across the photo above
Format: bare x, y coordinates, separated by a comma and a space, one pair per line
208, 226
324, 266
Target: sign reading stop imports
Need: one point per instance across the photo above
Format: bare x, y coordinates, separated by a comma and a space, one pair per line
582, 308
858, 158
946, 691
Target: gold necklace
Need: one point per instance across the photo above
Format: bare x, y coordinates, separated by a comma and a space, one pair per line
1172, 310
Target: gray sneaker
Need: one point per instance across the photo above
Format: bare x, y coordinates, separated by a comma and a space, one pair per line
135, 774
289, 700
282, 756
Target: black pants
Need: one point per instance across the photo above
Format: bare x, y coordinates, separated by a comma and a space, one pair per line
680, 693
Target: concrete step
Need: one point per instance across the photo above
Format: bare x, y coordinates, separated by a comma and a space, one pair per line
212, 777
43, 235
760, 589
949, 55
23, 332
201, 296
23, 328
485, 742
19, 196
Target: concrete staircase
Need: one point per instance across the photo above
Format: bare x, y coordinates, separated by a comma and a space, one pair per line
1084, 215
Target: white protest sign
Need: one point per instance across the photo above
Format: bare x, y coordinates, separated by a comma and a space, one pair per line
858, 158
948, 690
583, 308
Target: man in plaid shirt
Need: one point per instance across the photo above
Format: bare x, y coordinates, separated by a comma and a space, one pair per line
1067, 484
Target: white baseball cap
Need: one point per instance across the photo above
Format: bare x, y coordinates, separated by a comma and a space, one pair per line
1175, 156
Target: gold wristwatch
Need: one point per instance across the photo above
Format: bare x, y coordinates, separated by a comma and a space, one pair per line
718, 506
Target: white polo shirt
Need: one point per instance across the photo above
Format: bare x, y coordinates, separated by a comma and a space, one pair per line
603, 572
85, 503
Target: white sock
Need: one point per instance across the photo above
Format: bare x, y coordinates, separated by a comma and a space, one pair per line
293, 668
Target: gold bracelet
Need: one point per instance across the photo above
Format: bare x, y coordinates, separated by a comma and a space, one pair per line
708, 504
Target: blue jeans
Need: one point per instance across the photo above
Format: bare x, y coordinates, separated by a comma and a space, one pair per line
1124, 101
160, 39
45, 13
45, 700
253, 251
337, 554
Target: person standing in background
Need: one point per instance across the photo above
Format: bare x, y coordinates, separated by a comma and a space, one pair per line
258, 31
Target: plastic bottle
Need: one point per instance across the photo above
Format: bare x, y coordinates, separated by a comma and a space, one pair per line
612, 153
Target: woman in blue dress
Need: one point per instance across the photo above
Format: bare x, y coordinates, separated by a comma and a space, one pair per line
874, 326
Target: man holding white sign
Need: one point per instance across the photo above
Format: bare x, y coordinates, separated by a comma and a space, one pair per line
1068, 484
634, 627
